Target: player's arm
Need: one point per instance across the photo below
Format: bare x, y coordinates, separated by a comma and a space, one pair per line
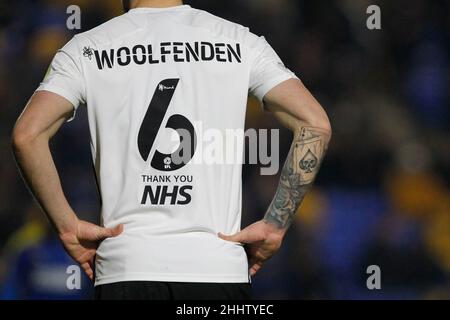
296, 109
42, 118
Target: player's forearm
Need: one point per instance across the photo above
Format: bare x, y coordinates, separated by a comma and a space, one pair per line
302, 165
39, 172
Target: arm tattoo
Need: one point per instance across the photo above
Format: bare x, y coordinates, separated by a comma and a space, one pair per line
302, 164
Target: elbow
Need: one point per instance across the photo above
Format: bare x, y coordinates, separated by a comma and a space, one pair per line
324, 124
21, 138
320, 122
18, 140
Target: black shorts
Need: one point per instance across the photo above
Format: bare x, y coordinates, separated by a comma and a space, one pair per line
149, 290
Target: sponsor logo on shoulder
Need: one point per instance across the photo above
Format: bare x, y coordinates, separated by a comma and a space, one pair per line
162, 87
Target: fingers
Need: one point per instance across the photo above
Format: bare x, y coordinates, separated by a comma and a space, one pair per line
87, 262
238, 237
88, 270
116, 230
251, 234
255, 264
254, 269
258, 255
91, 232
244, 236
104, 233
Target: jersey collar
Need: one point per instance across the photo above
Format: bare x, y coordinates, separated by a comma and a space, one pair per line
150, 9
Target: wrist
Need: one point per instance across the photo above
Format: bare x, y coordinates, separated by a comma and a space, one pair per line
69, 225
274, 227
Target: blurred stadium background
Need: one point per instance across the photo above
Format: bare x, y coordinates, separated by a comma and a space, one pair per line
383, 194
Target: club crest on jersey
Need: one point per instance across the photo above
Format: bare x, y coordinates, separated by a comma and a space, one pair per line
88, 52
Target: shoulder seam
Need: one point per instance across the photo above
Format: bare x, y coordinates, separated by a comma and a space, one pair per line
215, 33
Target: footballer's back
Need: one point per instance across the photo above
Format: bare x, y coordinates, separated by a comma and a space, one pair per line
156, 83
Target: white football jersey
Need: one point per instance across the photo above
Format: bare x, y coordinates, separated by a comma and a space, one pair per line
146, 76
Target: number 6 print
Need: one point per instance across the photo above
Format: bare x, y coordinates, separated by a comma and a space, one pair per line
152, 123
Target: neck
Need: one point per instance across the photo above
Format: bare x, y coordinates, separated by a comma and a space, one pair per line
155, 3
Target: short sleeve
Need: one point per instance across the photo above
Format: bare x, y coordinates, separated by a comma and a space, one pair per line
267, 70
64, 77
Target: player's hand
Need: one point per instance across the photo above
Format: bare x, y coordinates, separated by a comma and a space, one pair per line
82, 243
262, 239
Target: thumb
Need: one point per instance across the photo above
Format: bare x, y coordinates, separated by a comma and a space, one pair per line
104, 233
237, 237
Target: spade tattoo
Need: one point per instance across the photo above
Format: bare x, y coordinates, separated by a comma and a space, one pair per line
308, 162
